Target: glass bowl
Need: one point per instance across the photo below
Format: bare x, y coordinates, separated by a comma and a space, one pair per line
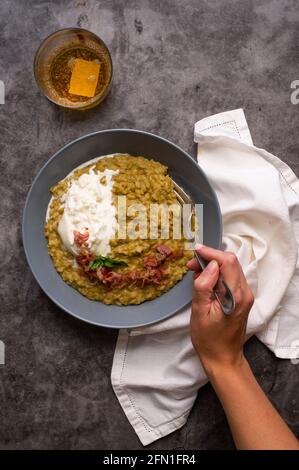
53, 66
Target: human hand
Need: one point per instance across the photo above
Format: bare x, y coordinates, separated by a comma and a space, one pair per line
217, 338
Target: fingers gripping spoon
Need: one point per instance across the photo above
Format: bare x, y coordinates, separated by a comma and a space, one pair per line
221, 291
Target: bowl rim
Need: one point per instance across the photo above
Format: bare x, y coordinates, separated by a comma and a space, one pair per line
84, 106
104, 131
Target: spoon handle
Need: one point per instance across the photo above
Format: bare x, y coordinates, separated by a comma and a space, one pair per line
221, 291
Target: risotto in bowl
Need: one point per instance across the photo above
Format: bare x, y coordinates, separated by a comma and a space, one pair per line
82, 219
86, 230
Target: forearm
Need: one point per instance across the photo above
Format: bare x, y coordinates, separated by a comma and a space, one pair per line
254, 422
218, 340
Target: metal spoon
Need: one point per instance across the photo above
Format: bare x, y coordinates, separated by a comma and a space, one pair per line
221, 291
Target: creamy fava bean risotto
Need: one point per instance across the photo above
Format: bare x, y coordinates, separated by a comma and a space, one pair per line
82, 220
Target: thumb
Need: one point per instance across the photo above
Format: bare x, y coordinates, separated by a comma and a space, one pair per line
204, 283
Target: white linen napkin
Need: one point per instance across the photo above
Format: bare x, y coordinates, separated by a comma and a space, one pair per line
156, 373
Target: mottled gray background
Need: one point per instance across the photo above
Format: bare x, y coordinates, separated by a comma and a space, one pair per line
176, 61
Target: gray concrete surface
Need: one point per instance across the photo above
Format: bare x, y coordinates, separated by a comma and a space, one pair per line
176, 61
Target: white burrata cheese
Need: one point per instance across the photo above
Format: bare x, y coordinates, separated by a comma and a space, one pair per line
88, 205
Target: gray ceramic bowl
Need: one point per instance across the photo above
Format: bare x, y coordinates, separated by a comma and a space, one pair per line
182, 168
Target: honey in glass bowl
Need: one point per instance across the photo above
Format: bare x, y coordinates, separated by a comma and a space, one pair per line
73, 68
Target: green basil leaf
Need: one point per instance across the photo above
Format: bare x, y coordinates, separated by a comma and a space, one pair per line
105, 261
95, 264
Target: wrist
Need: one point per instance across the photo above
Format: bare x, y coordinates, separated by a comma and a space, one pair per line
219, 369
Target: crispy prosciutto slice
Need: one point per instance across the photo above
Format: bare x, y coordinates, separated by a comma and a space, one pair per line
111, 278
164, 250
154, 261
80, 238
151, 262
